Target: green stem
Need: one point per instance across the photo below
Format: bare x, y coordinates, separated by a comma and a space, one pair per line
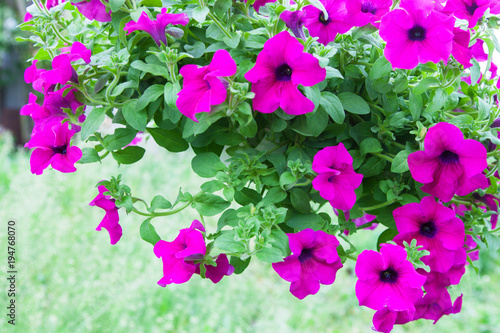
385, 157
352, 257
460, 202
219, 24
397, 144
387, 203
59, 35
492, 171
377, 107
172, 212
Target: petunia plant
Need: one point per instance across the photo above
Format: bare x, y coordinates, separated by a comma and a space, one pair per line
309, 120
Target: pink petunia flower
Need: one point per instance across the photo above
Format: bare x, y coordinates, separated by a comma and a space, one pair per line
327, 29
77, 51
52, 147
336, 179
435, 305
387, 279
93, 10
111, 218
281, 66
385, 319
362, 12
294, 21
478, 52
216, 273
61, 71
156, 28
203, 86
449, 164
32, 74
179, 256
435, 227
314, 261
460, 50
470, 10
415, 33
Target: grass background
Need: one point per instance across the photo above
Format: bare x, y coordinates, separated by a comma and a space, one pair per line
70, 279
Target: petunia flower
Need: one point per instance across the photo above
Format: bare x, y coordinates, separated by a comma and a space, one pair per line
156, 28
470, 10
415, 33
336, 179
387, 279
294, 21
281, 66
449, 164
478, 52
179, 255
216, 273
93, 10
385, 319
314, 261
435, 227
203, 86
435, 305
61, 71
460, 50
32, 74
111, 218
327, 28
362, 12
52, 147
77, 51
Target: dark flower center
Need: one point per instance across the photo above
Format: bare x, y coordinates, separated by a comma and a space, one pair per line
417, 33
305, 254
448, 157
471, 9
428, 229
284, 73
60, 150
331, 179
389, 275
368, 7
322, 18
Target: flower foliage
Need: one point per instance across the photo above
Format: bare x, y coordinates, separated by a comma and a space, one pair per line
309, 122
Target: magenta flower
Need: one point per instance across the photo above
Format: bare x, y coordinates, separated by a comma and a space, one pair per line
477, 51
327, 29
435, 227
111, 218
314, 261
387, 279
32, 74
93, 10
336, 179
294, 21
470, 10
435, 305
179, 256
436, 281
216, 273
156, 28
77, 51
416, 34
449, 164
52, 147
385, 319
460, 50
281, 66
203, 86
362, 12
61, 71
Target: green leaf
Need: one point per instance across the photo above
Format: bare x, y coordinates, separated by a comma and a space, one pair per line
148, 232
150, 95
400, 162
197, 49
200, 14
286, 178
159, 202
151, 3
233, 41
169, 139
222, 6
208, 204
150, 68
370, 145
270, 255
229, 218
332, 106
92, 122
380, 68
301, 222
300, 201
386, 236
274, 195
247, 196
207, 165
353, 103
416, 105
238, 264
89, 155
280, 241
227, 243
116, 4
475, 72
462, 120
425, 84
129, 155
119, 139
134, 116
212, 186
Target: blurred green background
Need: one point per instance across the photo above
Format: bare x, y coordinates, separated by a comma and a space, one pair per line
70, 279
